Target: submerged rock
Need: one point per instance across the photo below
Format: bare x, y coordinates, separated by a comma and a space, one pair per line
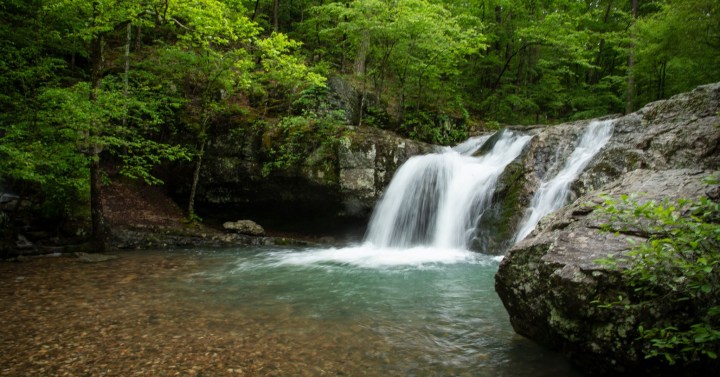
93, 258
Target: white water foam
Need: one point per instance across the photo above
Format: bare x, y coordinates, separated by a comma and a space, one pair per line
368, 256
470, 145
553, 193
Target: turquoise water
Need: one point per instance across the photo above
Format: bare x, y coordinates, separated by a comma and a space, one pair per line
363, 311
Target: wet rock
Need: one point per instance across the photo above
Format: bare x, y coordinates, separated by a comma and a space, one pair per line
367, 161
248, 227
681, 132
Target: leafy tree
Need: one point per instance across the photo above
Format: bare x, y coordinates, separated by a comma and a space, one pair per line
678, 48
89, 115
408, 52
219, 57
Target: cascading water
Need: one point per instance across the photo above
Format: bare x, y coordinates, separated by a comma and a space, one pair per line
435, 200
552, 194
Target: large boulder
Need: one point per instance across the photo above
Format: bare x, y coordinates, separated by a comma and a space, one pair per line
548, 280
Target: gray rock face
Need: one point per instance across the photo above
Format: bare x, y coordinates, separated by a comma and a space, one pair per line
542, 157
367, 162
547, 281
681, 132
345, 184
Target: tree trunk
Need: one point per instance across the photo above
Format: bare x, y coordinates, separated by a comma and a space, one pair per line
596, 71
276, 6
257, 4
360, 70
661, 80
196, 179
96, 209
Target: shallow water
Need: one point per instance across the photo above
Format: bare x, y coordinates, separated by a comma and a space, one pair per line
269, 311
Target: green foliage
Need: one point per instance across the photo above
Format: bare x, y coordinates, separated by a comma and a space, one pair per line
408, 51
49, 149
433, 129
678, 267
303, 140
679, 47
283, 75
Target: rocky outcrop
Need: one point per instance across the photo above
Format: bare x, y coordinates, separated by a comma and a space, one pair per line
543, 157
548, 280
367, 161
681, 132
344, 184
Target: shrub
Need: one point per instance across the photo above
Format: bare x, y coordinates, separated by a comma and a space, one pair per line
677, 267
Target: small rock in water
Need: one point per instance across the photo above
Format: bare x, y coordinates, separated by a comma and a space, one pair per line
245, 227
23, 243
92, 258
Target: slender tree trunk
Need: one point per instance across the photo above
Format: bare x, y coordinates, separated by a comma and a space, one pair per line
276, 6
196, 179
630, 104
661, 80
596, 71
138, 37
257, 4
360, 70
72, 57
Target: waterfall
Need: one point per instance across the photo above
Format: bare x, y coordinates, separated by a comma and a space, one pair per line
436, 199
552, 194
